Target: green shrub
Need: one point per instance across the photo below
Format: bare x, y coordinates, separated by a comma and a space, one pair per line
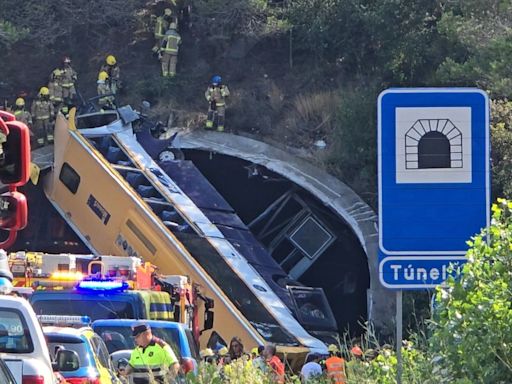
472, 334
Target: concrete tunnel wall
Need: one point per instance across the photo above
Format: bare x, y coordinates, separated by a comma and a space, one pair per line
331, 191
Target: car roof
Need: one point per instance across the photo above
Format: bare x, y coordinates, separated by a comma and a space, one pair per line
129, 322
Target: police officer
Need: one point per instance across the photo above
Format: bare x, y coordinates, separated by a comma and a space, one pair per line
152, 361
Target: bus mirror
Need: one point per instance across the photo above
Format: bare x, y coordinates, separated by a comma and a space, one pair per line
15, 154
208, 320
13, 211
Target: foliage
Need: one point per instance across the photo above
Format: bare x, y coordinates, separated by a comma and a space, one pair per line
387, 38
353, 151
9, 34
481, 44
55, 21
501, 139
472, 333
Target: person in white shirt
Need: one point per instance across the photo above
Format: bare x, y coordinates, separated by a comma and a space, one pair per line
311, 369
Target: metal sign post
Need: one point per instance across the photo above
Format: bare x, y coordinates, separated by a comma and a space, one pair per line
399, 336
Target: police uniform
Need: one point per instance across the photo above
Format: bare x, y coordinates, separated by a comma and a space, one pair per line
151, 363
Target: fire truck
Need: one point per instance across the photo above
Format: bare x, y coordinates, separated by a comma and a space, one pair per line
107, 287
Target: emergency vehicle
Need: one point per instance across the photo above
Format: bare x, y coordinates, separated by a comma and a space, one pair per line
105, 287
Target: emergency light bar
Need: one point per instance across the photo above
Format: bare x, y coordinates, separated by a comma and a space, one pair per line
63, 319
102, 286
67, 276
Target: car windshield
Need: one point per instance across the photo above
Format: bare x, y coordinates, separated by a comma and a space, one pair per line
99, 309
14, 333
120, 337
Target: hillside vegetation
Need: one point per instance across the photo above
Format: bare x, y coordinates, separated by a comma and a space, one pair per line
299, 70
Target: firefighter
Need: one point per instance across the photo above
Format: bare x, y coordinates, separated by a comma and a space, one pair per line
55, 88
162, 24
42, 115
335, 366
153, 360
69, 78
106, 102
169, 51
216, 96
113, 71
21, 113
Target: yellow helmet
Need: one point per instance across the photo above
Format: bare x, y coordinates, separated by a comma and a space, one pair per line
44, 91
20, 102
206, 353
111, 60
254, 351
103, 75
333, 348
167, 11
223, 351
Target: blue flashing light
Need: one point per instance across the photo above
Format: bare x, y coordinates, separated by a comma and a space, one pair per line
102, 286
64, 320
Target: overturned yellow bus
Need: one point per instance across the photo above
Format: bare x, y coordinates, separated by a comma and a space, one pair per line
120, 200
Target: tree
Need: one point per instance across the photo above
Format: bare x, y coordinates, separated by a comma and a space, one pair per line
480, 36
472, 332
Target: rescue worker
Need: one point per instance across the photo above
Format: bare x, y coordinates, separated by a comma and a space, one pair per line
21, 113
55, 88
114, 73
152, 361
69, 78
168, 53
216, 96
274, 362
162, 24
207, 355
104, 90
335, 366
42, 115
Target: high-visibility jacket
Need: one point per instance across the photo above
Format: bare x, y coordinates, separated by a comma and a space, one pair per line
171, 42
68, 77
217, 94
336, 370
161, 27
23, 116
151, 364
42, 109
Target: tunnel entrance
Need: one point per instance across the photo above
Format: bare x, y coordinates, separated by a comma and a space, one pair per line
311, 243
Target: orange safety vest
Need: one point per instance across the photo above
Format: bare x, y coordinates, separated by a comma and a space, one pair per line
336, 370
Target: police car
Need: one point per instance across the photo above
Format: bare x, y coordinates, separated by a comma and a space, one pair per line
80, 355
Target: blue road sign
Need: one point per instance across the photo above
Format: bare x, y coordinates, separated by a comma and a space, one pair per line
434, 183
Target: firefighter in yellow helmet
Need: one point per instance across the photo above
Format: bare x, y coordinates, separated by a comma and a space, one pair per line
107, 101
169, 48
68, 82
55, 88
42, 115
216, 95
114, 73
21, 113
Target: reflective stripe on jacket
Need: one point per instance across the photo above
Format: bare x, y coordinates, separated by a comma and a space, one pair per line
171, 42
